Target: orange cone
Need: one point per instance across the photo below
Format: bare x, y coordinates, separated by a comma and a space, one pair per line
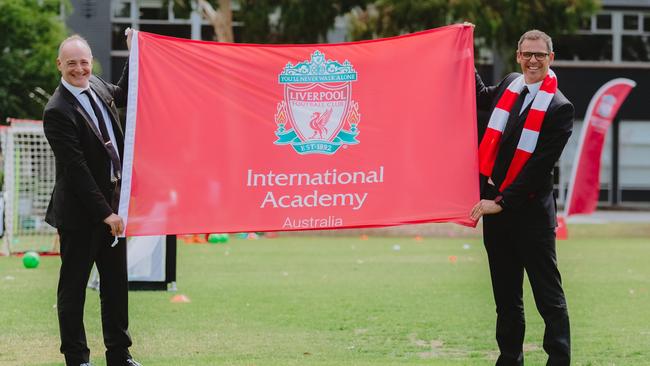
178, 299
561, 231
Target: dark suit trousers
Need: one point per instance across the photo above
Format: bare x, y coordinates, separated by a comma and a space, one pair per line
79, 250
511, 249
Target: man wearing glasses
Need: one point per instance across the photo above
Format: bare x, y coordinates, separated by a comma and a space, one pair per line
529, 126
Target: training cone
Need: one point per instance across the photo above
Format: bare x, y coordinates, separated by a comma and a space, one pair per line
561, 231
194, 239
31, 260
177, 299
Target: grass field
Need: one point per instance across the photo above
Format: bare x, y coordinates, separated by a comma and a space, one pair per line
344, 301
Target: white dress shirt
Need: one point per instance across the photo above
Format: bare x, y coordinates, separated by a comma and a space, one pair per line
85, 103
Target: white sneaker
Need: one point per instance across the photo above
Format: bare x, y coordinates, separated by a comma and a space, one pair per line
132, 362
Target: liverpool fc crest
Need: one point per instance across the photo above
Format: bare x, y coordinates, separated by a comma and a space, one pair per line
317, 115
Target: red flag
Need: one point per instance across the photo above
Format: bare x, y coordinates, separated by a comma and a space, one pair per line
240, 137
584, 184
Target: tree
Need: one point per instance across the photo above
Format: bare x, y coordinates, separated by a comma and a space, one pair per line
307, 21
499, 23
221, 18
272, 21
386, 18
32, 30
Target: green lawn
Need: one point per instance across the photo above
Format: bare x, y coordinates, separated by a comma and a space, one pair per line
343, 301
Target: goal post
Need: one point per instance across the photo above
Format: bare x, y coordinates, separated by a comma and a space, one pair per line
28, 181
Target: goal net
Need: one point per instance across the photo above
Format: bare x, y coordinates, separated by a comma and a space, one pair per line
28, 181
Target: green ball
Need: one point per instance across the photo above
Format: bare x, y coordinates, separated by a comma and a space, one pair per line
218, 238
31, 260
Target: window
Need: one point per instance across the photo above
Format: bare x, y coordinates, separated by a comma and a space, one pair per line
166, 17
117, 65
181, 12
173, 30
636, 48
153, 10
207, 33
122, 9
611, 36
631, 22
117, 35
603, 21
576, 48
585, 24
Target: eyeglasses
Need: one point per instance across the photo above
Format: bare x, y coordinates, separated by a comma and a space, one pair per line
540, 56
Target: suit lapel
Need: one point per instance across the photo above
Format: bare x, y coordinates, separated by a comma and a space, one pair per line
109, 103
75, 104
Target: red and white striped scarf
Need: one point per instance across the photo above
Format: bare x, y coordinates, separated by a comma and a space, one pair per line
489, 147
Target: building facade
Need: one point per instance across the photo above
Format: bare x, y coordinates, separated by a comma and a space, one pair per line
611, 44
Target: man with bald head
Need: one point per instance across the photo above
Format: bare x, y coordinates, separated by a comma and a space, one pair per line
82, 126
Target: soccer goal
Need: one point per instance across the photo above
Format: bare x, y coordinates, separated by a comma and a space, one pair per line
27, 184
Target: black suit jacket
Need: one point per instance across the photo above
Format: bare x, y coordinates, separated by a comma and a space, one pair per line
83, 189
529, 200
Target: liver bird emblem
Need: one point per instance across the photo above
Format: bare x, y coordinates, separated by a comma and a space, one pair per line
318, 123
